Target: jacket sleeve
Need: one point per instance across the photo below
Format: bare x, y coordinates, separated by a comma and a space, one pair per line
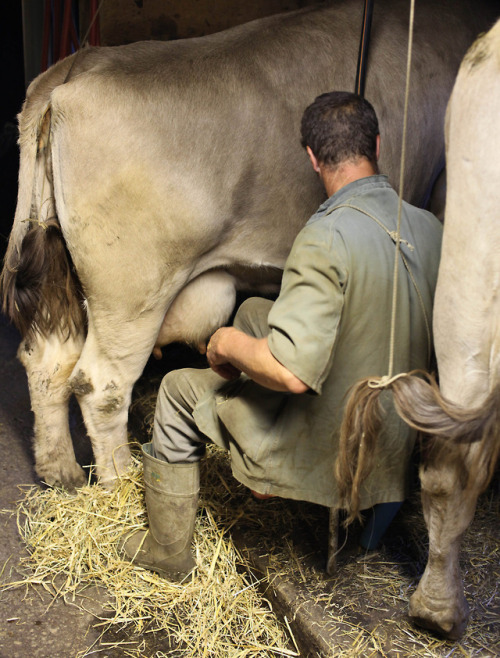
305, 318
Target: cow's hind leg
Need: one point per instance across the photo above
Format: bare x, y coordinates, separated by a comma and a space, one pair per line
49, 362
116, 351
462, 449
112, 359
439, 602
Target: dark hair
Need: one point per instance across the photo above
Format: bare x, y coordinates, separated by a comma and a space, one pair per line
340, 126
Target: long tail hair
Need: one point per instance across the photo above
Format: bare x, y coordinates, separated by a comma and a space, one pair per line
39, 289
419, 402
40, 292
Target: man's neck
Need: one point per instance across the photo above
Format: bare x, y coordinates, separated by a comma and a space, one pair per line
334, 179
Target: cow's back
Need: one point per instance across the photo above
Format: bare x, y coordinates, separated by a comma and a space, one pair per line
211, 124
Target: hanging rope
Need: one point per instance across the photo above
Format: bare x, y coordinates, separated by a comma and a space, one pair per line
60, 33
384, 381
398, 240
93, 32
362, 420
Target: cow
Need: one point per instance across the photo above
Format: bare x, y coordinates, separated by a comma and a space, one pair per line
460, 418
464, 414
157, 178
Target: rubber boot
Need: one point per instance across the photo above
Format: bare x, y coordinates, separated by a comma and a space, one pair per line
171, 502
380, 519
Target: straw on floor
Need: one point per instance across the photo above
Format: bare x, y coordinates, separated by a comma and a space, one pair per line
220, 611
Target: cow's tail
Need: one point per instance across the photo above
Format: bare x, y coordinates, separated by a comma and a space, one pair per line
419, 403
39, 290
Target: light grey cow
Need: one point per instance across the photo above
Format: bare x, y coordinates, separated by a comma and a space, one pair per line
464, 414
156, 178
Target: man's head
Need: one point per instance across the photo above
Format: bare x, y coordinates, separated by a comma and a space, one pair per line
340, 127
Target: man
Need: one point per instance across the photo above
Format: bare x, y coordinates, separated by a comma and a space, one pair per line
275, 393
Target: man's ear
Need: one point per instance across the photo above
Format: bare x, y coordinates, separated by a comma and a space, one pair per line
377, 148
313, 159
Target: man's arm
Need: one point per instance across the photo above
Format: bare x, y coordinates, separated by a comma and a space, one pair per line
230, 351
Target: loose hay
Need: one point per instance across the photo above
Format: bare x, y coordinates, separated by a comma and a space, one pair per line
72, 541
219, 611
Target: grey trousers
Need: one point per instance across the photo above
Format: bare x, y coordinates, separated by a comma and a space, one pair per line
176, 437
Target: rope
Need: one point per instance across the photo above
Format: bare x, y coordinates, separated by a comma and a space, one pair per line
91, 25
392, 234
386, 380
389, 377
400, 201
397, 239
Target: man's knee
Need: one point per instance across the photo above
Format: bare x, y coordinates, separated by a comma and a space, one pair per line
251, 317
183, 388
174, 384
174, 396
175, 434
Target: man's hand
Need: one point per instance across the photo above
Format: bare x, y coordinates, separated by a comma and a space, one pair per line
216, 360
231, 352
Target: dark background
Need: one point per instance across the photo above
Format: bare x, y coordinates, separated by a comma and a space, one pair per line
12, 96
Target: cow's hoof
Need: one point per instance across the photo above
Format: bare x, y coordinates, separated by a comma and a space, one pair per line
446, 617
69, 479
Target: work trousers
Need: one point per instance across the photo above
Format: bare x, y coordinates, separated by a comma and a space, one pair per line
176, 437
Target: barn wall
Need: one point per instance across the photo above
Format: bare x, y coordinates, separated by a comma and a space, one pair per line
124, 21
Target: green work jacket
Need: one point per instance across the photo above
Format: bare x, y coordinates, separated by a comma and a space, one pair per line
330, 326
